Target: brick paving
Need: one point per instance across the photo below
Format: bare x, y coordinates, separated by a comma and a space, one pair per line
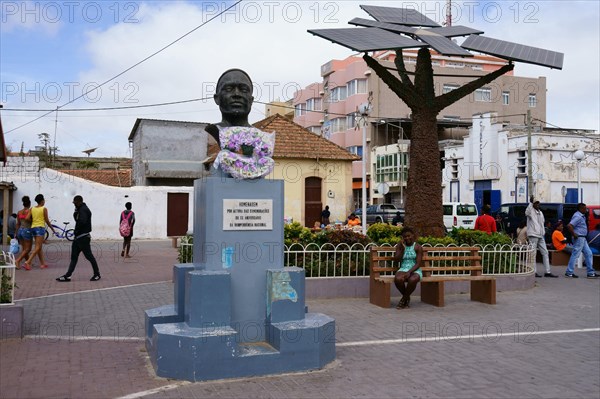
86, 342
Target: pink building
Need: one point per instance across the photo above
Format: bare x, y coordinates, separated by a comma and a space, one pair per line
330, 108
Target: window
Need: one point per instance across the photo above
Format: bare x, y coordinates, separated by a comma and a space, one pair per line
356, 86
300, 109
356, 150
449, 87
391, 167
505, 97
476, 67
466, 210
484, 94
454, 168
315, 129
338, 94
532, 100
351, 120
338, 125
313, 104
451, 64
522, 162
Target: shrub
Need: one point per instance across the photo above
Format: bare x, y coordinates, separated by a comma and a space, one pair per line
185, 252
476, 237
381, 233
335, 237
296, 233
436, 241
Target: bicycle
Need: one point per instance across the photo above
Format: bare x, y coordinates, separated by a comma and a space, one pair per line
62, 232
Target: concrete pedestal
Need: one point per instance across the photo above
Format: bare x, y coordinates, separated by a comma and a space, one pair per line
237, 311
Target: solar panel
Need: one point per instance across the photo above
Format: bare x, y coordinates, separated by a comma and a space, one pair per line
367, 39
514, 51
441, 44
382, 25
456, 30
404, 16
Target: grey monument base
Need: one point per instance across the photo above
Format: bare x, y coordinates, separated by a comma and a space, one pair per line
195, 339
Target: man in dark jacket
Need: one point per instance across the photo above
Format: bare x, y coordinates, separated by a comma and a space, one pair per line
81, 241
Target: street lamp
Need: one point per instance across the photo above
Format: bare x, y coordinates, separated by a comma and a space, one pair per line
579, 155
364, 110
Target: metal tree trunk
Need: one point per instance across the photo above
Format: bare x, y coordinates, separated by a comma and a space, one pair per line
424, 192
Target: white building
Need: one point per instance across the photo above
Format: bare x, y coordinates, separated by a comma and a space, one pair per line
490, 164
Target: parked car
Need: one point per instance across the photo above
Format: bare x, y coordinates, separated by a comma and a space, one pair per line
459, 214
380, 213
593, 216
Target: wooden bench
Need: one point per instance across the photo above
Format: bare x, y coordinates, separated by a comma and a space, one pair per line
561, 258
440, 264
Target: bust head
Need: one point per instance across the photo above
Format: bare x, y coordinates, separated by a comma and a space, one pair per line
234, 97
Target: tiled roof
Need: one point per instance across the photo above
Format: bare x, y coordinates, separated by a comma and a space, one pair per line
294, 141
116, 178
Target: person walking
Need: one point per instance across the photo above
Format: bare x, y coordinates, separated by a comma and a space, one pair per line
578, 228
535, 234
485, 221
38, 217
81, 241
24, 231
126, 222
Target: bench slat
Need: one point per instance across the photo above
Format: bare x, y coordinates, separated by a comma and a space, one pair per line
450, 249
450, 268
460, 257
431, 279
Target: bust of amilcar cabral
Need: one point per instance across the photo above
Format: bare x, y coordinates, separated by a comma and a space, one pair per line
246, 152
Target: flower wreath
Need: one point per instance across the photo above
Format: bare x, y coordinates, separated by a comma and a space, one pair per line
245, 152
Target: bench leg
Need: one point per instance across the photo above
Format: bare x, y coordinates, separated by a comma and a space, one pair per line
379, 294
433, 293
484, 291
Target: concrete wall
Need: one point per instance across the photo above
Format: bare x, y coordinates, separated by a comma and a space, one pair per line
105, 202
168, 149
150, 203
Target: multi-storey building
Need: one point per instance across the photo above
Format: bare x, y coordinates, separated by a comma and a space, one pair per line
330, 109
490, 165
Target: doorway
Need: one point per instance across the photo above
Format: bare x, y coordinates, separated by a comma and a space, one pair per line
312, 201
177, 214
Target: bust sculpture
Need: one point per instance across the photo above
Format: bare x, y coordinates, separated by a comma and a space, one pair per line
246, 152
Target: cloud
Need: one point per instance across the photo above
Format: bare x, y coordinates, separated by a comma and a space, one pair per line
270, 41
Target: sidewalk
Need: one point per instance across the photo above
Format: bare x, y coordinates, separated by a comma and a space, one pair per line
87, 341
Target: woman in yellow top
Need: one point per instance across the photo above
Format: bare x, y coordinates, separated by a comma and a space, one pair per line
39, 219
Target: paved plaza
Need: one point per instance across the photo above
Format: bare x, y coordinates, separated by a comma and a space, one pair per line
85, 340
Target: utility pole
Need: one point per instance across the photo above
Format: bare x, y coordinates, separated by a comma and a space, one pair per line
529, 161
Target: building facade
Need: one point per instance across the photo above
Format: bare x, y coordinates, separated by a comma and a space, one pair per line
167, 153
330, 108
490, 166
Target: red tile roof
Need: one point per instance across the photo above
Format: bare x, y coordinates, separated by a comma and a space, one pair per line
116, 178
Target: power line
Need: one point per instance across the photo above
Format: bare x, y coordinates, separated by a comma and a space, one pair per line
128, 69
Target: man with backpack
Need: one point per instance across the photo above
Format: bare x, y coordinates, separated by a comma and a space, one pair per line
126, 223
81, 240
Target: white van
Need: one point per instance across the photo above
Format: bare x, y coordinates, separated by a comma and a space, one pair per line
459, 214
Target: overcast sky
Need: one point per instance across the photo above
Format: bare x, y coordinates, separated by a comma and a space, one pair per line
52, 52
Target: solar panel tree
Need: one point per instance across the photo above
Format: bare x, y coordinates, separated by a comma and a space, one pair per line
400, 28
